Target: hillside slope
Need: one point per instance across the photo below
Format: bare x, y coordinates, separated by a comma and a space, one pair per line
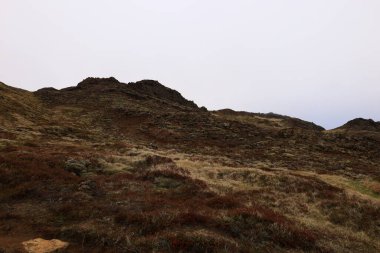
18, 106
135, 167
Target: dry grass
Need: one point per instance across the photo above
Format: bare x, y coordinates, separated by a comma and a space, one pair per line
152, 200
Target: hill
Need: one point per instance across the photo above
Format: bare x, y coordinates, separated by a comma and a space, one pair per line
135, 167
361, 124
18, 107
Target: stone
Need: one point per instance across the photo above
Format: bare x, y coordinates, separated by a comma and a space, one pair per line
40, 245
75, 166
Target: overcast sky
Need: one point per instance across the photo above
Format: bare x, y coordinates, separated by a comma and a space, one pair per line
318, 60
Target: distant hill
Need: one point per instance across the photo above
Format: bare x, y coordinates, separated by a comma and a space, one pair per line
361, 124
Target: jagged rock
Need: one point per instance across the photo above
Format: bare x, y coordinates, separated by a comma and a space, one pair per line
40, 245
94, 80
155, 89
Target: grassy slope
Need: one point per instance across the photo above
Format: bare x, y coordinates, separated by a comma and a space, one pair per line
105, 187
18, 107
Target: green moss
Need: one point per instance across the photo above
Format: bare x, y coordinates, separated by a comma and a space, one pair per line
360, 187
2, 145
167, 183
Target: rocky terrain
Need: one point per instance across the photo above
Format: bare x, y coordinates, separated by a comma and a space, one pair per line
105, 166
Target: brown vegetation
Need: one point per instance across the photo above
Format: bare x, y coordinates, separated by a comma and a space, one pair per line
112, 167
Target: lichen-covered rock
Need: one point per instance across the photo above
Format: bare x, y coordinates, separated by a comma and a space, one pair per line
40, 245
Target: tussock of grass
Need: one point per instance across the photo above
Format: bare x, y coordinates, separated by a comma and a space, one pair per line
364, 189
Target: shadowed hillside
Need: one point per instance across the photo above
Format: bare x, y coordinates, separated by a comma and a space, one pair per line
114, 167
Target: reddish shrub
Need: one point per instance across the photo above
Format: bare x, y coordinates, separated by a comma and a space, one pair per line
223, 202
198, 243
190, 218
31, 174
262, 224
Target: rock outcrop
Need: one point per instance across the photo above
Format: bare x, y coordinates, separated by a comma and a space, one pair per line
157, 90
106, 87
40, 245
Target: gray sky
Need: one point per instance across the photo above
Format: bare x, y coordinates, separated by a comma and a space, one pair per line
318, 60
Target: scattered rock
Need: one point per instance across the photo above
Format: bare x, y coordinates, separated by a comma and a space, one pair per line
40, 245
75, 166
87, 185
